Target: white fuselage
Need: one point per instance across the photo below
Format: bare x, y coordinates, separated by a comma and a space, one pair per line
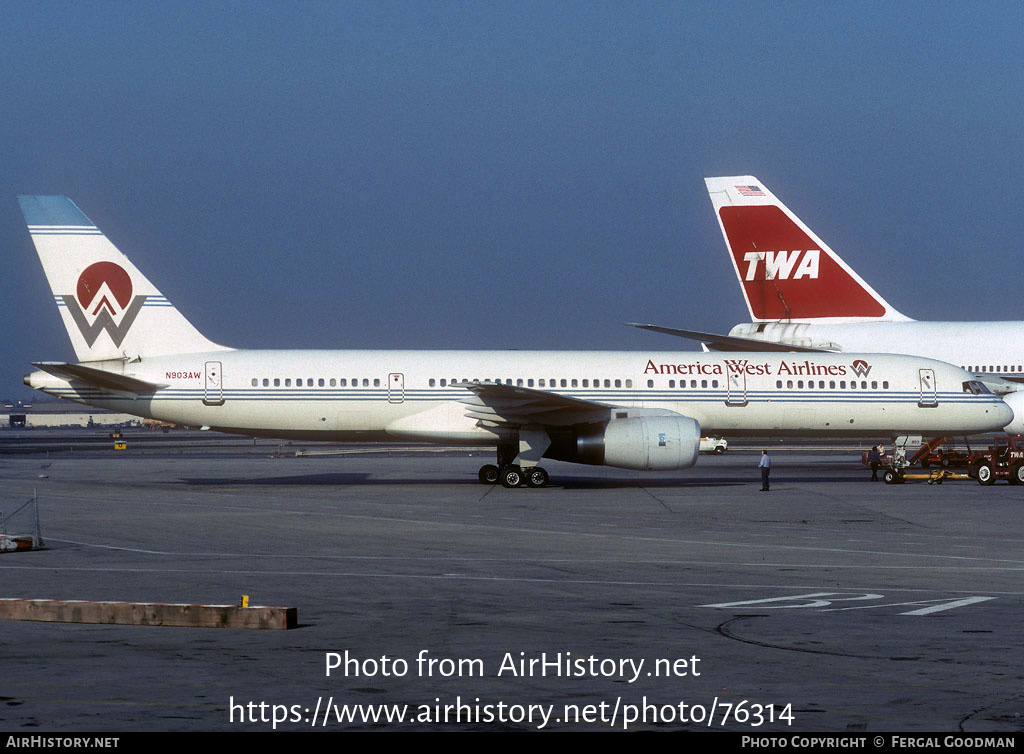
340, 395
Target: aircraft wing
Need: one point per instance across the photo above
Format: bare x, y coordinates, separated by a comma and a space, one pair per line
498, 404
98, 377
730, 343
999, 384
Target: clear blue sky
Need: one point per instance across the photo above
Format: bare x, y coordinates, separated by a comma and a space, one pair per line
514, 174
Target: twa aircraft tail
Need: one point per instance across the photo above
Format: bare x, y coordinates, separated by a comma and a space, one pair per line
111, 311
786, 272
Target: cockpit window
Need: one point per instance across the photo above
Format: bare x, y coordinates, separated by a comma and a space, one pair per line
975, 387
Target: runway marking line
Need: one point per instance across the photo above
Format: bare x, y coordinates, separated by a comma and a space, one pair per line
816, 601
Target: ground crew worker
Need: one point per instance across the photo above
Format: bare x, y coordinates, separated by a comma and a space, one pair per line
766, 468
873, 458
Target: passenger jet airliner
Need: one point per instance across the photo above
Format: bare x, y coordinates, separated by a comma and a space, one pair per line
137, 354
803, 297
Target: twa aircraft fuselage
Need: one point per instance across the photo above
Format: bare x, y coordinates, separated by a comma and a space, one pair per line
800, 292
803, 297
138, 354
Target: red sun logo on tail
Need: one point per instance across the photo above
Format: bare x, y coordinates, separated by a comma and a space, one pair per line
90, 285
104, 291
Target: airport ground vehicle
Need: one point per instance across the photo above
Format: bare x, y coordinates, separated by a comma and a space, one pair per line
1002, 460
945, 457
716, 445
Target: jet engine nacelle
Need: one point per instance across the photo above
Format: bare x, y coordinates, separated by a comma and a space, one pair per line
1016, 402
649, 443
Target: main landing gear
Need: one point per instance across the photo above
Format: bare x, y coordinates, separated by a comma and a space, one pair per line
514, 476
510, 474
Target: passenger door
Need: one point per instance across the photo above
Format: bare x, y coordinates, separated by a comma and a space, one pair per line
736, 389
213, 389
396, 387
929, 395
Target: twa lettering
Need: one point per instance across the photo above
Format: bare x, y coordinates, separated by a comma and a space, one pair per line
779, 265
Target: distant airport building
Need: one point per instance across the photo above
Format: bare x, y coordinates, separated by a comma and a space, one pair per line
27, 415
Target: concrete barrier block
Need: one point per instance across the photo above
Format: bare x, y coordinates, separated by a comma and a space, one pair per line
148, 614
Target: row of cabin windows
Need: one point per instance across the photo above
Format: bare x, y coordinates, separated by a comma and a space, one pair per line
682, 383
366, 382
996, 368
310, 382
542, 382
832, 384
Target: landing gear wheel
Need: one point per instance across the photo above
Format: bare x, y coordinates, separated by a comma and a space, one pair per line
892, 477
536, 477
488, 474
511, 476
985, 475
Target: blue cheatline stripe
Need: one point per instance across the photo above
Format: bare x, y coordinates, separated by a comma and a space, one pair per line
64, 232
669, 397
285, 395
150, 301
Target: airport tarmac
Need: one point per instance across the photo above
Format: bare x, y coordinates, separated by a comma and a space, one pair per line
845, 605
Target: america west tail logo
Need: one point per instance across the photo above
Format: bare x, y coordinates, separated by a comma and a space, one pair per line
103, 301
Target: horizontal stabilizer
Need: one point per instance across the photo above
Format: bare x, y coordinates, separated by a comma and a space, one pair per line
97, 377
730, 343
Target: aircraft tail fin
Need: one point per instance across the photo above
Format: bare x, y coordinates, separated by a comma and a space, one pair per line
786, 272
110, 309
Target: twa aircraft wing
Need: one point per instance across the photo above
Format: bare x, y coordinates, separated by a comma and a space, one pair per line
498, 404
786, 272
729, 342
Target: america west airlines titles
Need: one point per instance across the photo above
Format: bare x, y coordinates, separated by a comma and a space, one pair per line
805, 368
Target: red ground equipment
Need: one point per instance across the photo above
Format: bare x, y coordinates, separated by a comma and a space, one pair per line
945, 457
1003, 460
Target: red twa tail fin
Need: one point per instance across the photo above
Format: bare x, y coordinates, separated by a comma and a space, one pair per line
786, 272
